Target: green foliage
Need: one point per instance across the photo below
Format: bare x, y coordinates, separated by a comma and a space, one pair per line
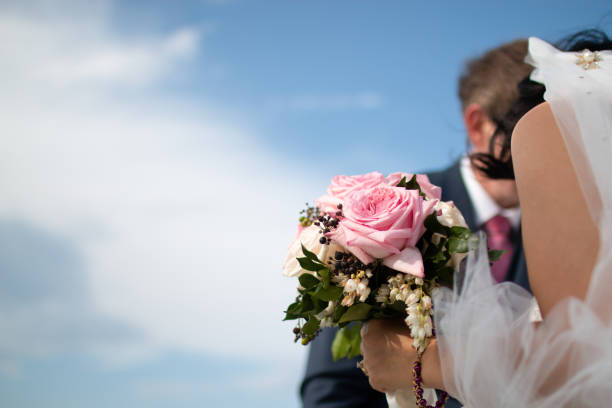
311, 326
347, 342
411, 184
327, 293
495, 254
359, 311
324, 275
307, 304
308, 281
433, 226
308, 264
293, 311
309, 254
310, 261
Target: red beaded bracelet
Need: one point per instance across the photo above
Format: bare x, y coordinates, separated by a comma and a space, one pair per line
417, 387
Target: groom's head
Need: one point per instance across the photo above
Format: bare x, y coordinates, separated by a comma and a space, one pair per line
487, 90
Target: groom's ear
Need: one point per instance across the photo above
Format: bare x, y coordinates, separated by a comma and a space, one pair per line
479, 127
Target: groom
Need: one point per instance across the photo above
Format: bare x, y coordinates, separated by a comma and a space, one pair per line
487, 89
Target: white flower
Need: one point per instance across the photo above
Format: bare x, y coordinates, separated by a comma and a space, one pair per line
326, 322
412, 298
340, 279
364, 292
426, 300
428, 326
325, 316
350, 286
394, 293
309, 237
449, 215
382, 296
348, 300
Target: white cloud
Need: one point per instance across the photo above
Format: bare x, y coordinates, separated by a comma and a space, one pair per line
180, 216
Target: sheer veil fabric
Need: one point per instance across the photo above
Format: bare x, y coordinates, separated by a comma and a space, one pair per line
492, 354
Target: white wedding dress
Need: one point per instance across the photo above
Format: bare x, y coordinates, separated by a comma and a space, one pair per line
491, 352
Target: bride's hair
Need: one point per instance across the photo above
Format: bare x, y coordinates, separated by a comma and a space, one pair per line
531, 94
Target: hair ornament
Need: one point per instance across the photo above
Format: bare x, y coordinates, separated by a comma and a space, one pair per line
588, 59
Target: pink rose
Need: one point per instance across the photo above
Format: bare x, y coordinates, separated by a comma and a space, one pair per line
385, 222
430, 190
342, 186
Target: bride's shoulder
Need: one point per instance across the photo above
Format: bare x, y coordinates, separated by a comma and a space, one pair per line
559, 236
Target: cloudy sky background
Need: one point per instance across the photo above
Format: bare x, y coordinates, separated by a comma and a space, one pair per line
154, 156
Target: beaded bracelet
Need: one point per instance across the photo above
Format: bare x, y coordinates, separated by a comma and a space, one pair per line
417, 387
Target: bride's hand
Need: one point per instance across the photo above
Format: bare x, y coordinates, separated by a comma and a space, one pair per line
388, 356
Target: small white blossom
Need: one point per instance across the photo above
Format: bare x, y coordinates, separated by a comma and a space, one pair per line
325, 316
363, 290
382, 296
326, 322
449, 215
412, 298
350, 286
340, 279
348, 299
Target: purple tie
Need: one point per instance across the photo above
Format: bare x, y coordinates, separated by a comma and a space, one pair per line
498, 231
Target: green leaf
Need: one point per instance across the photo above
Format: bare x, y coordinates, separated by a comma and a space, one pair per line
435, 256
358, 311
324, 275
309, 254
411, 184
307, 304
495, 254
340, 310
432, 224
347, 342
308, 281
460, 232
311, 326
402, 182
398, 306
309, 265
319, 305
456, 244
445, 276
326, 294
293, 311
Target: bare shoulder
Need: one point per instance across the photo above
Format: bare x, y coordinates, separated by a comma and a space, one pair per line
559, 236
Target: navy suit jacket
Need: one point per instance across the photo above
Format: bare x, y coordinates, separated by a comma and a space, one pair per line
329, 384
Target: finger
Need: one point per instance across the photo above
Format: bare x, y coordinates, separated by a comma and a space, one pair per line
364, 329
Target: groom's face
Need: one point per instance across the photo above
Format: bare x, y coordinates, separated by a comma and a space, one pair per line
480, 130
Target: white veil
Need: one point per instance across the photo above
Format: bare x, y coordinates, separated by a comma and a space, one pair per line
490, 350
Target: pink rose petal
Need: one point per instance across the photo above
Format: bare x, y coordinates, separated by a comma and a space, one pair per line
409, 260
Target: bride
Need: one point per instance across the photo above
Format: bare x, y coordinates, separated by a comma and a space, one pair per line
489, 352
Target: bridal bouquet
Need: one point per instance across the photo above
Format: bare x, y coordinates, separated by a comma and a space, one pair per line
373, 247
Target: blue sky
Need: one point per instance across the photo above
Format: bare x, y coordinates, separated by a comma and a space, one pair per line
155, 155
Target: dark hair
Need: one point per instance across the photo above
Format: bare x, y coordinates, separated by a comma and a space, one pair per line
489, 79
531, 94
